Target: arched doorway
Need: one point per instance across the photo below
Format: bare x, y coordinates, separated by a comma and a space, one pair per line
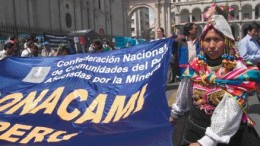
196, 15
235, 12
161, 9
247, 12
257, 11
185, 16
142, 22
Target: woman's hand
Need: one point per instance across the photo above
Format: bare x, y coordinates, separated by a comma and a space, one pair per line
171, 120
195, 144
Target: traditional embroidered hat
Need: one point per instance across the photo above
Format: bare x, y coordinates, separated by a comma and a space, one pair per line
219, 23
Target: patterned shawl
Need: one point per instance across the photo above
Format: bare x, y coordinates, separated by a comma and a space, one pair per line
239, 83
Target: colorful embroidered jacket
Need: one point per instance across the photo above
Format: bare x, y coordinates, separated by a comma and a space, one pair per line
210, 86
219, 94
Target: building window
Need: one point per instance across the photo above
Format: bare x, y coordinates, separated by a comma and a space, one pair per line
68, 20
256, 13
67, 6
246, 16
132, 21
132, 29
99, 4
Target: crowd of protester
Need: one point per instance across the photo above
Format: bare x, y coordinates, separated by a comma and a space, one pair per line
30, 47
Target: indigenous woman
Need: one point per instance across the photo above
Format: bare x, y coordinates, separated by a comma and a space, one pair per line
214, 90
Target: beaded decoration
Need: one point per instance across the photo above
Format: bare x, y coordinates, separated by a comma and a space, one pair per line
201, 56
207, 97
229, 56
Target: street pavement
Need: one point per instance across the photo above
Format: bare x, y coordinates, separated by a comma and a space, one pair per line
254, 103
171, 91
254, 111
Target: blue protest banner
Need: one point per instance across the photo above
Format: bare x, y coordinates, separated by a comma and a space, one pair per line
109, 99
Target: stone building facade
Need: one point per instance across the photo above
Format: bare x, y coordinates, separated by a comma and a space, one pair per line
107, 17
245, 11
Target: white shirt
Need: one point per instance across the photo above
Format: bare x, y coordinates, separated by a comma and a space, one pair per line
191, 49
47, 53
3, 54
26, 53
249, 49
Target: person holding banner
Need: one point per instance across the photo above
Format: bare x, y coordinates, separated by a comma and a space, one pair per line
47, 51
97, 46
62, 50
188, 47
214, 90
185, 50
9, 49
160, 33
30, 50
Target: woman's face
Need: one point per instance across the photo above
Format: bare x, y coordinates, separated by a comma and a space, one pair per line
213, 44
159, 33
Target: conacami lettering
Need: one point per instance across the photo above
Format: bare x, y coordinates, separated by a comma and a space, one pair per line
31, 104
17, 133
